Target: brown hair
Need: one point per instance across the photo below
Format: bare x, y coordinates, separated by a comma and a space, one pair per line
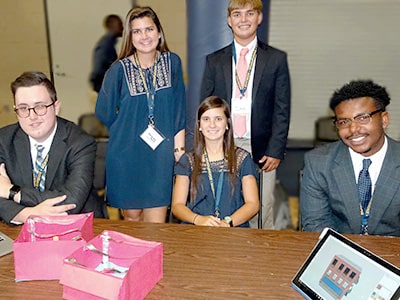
33, 78
127, 47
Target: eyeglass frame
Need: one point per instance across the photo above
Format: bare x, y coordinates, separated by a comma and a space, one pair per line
354, 119
16, 109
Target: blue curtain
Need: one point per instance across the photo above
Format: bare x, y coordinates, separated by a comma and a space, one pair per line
208, 31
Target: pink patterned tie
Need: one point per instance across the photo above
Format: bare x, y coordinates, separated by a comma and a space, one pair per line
239, 121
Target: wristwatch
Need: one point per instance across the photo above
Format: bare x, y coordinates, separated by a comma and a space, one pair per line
229, 220
13, 191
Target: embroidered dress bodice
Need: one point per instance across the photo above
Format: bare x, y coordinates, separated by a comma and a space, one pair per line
135, 81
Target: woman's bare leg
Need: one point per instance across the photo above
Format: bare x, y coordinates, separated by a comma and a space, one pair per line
134, 215
155, 214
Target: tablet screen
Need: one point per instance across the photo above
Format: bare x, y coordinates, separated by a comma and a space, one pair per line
5, 244
338, 268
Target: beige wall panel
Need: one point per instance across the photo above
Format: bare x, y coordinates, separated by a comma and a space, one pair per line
23, 47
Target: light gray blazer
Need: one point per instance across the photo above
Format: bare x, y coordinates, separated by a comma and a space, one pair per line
329, 195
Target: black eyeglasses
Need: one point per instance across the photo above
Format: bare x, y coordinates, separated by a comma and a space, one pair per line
362, 119
24, 111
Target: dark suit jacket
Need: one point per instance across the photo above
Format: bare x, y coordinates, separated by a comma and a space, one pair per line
270, 112
329, 194
69, 171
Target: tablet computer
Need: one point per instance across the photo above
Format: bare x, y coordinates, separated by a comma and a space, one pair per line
338, 268
6, 244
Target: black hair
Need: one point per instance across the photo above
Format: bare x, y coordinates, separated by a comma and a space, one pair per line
358, 89
111, 18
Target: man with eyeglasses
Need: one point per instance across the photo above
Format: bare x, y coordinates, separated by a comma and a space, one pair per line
353, 185
46, 162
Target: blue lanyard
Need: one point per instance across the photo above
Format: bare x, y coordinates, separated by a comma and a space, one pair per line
217, 196
149, 86
365, 217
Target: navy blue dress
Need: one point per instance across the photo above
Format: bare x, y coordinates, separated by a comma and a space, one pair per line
136, 175
204, 204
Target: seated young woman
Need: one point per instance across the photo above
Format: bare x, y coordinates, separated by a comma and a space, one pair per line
215, 185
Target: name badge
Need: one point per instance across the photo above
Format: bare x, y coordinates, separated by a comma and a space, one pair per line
241, 106
152, 137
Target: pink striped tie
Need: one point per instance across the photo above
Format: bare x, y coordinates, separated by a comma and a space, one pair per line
242, 69
239, 121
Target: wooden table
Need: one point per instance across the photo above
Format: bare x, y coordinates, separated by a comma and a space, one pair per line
208, 263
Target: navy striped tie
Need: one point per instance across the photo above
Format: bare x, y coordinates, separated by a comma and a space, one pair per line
40, 169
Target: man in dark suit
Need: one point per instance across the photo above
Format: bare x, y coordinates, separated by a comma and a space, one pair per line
260, 102
62, 182
353, 185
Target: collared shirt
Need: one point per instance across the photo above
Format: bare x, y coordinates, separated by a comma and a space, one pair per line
46, 144
251, 46
375, 167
